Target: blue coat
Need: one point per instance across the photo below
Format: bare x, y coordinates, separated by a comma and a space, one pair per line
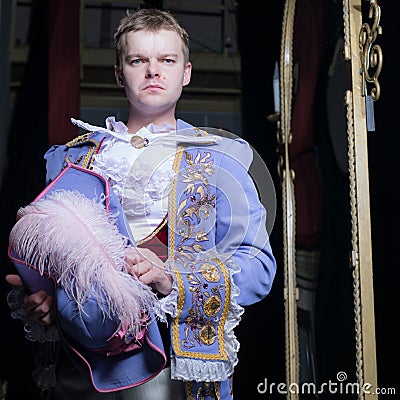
218, 248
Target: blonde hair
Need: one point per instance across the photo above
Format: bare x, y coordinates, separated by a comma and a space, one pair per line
149, 19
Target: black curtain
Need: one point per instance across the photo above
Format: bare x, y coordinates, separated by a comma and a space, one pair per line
24, 178
383, 151
261, 331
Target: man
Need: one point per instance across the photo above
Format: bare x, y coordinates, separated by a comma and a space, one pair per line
187, 195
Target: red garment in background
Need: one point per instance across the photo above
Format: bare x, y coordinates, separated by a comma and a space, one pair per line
159, 243
307, 52
64, 69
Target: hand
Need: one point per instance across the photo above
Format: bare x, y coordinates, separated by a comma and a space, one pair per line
149, 269
39, 305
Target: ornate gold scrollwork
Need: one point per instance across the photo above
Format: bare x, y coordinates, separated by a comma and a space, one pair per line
371, 54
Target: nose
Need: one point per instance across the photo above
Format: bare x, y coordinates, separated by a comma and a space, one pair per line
152, 70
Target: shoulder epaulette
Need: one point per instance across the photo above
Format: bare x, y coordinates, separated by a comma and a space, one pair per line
200, 132
84, 138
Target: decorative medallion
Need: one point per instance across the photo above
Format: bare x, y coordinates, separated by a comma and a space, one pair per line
212, 306
139, 142
208, 334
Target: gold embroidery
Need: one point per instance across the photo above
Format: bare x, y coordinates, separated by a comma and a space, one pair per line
198, 205
210, 272
206, 390
207, 298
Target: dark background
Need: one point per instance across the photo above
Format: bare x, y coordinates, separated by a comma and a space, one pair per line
261, 332
335, 336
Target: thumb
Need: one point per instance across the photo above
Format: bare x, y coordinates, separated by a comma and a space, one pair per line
14, 280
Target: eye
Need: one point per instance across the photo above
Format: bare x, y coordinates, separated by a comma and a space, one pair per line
136, 61
168, 61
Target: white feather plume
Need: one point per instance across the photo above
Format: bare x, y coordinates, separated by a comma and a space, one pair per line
72, 238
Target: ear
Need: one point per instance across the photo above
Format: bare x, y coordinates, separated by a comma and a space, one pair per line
119, 76
187, 73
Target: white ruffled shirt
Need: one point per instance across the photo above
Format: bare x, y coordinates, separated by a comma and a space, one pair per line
141, 178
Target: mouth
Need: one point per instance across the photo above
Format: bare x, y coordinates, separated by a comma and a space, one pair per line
153, 87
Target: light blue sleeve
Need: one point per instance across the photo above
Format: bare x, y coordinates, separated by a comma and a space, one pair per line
55, 161
90, 327
241, 224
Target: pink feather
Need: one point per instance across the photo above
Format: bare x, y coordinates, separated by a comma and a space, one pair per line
72, 239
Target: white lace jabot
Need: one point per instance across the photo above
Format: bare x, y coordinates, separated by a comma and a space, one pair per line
141, 178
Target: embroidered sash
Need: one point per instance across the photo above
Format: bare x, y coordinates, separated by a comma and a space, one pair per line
198, 332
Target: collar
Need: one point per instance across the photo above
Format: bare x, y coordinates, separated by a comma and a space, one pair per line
185, 132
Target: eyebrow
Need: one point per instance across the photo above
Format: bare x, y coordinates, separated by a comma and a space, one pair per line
139, 55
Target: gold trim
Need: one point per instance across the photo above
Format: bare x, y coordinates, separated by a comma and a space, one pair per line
93, 147
361, 257
346, 30
88, 158
84, 138
284, 138
172, 228
154, 233
189, 391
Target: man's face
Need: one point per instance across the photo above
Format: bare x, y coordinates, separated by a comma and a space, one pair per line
153, 70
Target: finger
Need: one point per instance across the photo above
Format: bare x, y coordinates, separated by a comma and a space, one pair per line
132, 257
48, 318
141, 268
147, 254
34, 300
14, 280
44, 313
131, 252
158, 279
151, 257
149, 272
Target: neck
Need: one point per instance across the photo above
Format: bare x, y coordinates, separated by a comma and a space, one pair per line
137, 121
